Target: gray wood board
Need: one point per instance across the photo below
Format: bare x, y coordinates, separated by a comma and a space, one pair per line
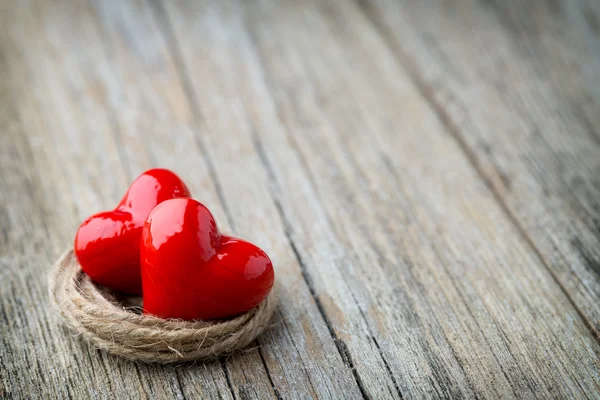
427, 244
507, 79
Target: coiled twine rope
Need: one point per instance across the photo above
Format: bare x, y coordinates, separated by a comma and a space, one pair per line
96, 314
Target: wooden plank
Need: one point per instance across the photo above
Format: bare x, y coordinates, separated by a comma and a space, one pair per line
39, 359
558, 38
400, 239
128, 95
155, 125
499, 79
328, 95
418, 283
73, 164
35, 362
302, 358
220, 36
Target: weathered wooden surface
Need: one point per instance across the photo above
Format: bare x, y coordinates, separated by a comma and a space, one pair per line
515, 99
424, 175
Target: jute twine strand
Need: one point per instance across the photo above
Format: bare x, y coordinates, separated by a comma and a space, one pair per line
95, 314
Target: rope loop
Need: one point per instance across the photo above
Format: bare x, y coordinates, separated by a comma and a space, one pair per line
99, 317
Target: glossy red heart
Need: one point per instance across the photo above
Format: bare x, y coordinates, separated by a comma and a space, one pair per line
107, 244
191, 271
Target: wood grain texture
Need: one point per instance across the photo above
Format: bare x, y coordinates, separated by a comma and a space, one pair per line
57, 96
131, 128
375, 113
425, 245
510, 85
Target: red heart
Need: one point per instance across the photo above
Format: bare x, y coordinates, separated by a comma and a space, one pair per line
107, 244
191, 271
